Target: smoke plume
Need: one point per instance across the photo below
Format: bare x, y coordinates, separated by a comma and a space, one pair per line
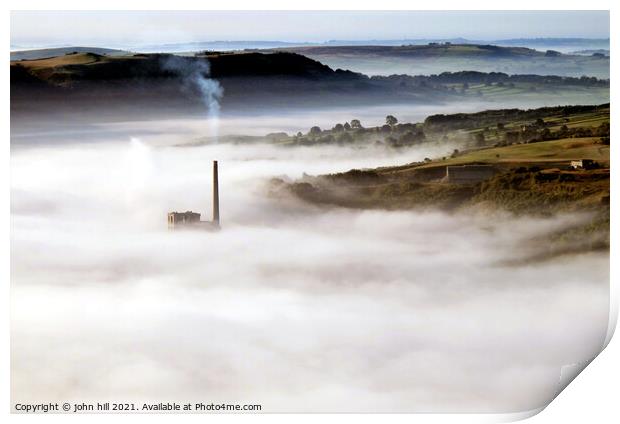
194, 72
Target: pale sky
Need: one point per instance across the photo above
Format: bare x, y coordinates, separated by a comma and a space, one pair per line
135, 28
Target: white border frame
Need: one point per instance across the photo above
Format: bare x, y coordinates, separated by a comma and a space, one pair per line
591, 397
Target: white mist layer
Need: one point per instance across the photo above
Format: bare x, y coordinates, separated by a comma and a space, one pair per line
290, 306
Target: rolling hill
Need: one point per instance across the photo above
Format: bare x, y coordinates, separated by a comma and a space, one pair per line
529, 177
133, 83
441, 57
59, 51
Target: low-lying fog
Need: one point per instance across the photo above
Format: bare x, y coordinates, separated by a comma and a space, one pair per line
291, 306
256, 120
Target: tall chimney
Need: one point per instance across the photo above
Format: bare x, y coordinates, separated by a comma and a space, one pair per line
216, 196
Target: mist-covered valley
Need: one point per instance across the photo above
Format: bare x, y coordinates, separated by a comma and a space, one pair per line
295, 306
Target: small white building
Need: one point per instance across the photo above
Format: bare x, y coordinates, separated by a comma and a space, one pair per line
582, 164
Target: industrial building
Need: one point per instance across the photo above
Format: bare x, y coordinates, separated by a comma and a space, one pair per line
191, 220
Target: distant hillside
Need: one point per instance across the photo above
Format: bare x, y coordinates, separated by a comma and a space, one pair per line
423, 51
89, 81
53, 52
561, 44
73, 69
176, 84
592, 52
435, 57
555, 43
489, 128
220, 45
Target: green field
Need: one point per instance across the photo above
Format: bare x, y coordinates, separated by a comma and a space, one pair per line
529, 178
563, 150
553, 123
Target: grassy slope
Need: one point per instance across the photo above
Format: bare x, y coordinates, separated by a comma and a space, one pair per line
64, 69
69, 59
577, 120
548, 188
530, 184
522, 88
53, 52
556, 151
532, 178
95, 66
